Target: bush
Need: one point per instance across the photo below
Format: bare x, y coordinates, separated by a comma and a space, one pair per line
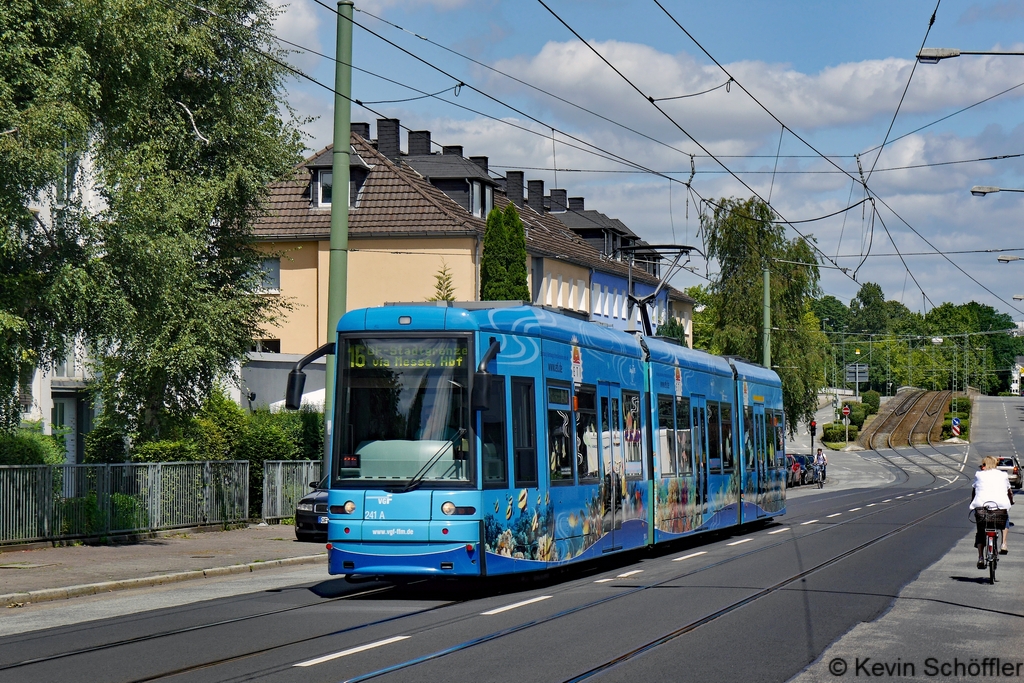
858, 413
872, 400
30, 447
963, 405
835, 432
128, 513
267, 436
947, 428
105, 444
166, 451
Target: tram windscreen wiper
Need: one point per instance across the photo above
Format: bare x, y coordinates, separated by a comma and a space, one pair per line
418, 477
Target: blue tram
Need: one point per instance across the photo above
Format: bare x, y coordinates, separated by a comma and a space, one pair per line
499, 440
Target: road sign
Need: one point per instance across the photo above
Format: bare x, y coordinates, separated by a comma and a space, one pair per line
846, 410
956, 421
956, 430
857, 372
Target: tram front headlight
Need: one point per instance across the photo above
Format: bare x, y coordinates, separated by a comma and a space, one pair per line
448, 508
349, 507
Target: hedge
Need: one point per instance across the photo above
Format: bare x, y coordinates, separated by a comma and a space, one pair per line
872, 400
31, 447
834, 432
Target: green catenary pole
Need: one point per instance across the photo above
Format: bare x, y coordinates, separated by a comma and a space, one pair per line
337, 286
766, 337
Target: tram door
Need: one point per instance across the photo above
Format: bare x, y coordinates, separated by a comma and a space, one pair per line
760, 457
613, 469
698, 405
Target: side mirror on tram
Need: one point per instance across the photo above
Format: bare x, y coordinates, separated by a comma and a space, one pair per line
481, 391
293, 394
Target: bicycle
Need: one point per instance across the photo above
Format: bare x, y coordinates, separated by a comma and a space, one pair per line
819, 476
991, 552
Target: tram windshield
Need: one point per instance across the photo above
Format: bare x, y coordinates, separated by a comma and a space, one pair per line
404, 412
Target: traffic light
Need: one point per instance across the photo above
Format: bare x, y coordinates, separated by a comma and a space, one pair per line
814, 429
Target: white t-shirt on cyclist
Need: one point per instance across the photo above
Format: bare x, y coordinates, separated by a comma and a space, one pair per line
990, 486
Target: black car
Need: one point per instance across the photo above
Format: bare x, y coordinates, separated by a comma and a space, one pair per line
311, 514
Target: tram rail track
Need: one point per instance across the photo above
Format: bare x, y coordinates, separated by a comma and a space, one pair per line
515, 629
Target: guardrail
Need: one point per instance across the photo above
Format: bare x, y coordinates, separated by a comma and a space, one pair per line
55, 502
285, 482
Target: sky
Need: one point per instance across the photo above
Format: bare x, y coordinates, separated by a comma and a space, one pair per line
809, 79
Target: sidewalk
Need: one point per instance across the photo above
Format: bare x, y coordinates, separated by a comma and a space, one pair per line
37, 575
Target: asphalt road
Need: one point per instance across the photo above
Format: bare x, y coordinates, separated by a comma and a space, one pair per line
760, 605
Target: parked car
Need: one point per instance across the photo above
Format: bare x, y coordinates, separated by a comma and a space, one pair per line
806, 468
1011, 466
792, 471
311, 514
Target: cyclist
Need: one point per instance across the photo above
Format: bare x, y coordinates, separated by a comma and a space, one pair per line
820, 460
991, 485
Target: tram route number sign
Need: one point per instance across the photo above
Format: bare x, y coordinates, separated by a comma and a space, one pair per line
846, 411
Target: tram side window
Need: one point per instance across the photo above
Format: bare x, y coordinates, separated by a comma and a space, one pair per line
667, 440
749, 455
684, 437
492, 437
772, 420
632, 436
780, 438
727, 437
761, 457
714, 438
524, 432
560, 435
588, 448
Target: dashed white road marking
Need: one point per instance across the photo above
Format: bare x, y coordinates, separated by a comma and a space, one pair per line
812, 521
854, 509
871, 505
603, 580
514, 605
635, 571
742, 540
351, 651
778, 531
835, 515
887, 500
686, 557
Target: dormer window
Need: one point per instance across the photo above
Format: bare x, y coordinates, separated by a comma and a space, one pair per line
481, 199
325, 187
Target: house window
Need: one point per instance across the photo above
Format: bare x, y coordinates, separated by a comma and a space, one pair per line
475, 199
266, 346
488, 199
326, 187
271, 268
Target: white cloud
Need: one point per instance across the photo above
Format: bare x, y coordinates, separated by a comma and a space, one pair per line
299, 21
377, 6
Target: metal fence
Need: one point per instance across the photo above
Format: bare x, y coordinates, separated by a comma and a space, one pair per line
285, 482
52, 502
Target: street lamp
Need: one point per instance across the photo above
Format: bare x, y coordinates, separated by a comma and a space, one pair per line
982, 190
1007, 259
1018, 297
933, 55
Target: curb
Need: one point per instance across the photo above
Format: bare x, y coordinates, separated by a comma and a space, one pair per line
47, 594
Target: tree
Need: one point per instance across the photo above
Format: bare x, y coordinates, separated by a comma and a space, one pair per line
832, 312
493, 268
175, 116
868, 312
444, 287
704, 319
744, 238
503, 263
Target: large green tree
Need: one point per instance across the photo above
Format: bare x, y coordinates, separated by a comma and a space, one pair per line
744, 238
169, 130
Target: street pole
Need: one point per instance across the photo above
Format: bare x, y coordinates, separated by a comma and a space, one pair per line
766, 337
337, 284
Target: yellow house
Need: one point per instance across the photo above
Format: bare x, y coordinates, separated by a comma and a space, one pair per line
410, 216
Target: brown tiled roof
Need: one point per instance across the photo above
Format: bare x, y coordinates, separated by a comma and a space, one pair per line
548, 236
396, 201
393, 201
